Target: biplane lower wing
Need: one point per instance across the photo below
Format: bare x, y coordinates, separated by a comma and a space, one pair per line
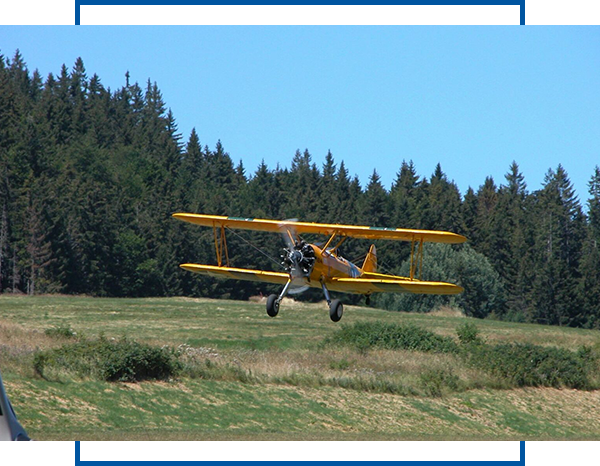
346, 285
277, 278
373, 285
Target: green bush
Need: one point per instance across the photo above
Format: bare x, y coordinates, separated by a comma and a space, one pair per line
468, 334
484, 291
365, 335
61, 332
122, 360
435, 382
341, 365
526, 365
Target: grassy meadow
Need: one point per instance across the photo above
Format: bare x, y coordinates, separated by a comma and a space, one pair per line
248, 376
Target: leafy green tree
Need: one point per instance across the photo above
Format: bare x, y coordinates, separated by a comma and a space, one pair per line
483, 295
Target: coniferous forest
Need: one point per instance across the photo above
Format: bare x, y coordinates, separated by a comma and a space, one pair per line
90, 176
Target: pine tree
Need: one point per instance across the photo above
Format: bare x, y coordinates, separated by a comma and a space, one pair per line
559, 238
3, 244
442, 209
403, 196
487, 198
589, 286
326, 195
38, 248
594, 204
514, 259
469, 213
376, 206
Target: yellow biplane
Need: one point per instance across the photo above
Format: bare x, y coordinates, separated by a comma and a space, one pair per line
320, 265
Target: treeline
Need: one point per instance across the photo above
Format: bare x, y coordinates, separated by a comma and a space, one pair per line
89, 178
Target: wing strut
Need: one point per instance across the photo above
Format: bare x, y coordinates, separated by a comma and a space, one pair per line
334, 236
416, 263
220, 245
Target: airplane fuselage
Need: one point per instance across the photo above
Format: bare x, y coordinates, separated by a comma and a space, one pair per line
329, 265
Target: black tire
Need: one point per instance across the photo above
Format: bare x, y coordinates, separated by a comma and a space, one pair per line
272, 305
336, 310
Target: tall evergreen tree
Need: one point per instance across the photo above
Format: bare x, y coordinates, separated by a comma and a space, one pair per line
559, 236
589, 287
403, 196
514, 243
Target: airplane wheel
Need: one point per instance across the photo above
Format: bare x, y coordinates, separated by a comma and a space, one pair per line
336, 309
272, 305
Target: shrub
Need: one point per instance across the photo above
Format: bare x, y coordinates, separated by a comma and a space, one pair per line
61, 332
365, 335
530, 365
468, 334
123, 360
435, 382
341, 365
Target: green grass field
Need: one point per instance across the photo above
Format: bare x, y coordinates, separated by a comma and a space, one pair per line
259, 378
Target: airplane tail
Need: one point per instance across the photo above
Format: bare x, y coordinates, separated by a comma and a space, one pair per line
10, 429
370, 263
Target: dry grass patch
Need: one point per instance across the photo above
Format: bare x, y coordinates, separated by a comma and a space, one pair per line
18, 345
384, 371
447, 311
15, 335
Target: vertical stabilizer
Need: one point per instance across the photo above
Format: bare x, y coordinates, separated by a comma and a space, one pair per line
370, 263
10, 429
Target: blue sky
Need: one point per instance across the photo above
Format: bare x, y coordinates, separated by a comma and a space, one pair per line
471, 98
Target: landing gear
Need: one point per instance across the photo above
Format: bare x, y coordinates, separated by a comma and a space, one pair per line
273, 300
368, 299
336, 310
272, 305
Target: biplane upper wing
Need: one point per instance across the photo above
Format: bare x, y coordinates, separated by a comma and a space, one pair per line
388, 285
278, 278
365, 232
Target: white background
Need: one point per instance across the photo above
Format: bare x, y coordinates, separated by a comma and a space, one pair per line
562, 453
562, 12
36, 12
37, 453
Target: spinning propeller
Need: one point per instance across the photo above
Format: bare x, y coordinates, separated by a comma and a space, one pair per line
297, 259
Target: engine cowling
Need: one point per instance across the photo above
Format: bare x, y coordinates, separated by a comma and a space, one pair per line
299, 260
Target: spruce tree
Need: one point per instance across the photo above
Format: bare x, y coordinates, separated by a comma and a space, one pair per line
589, 286
559, 237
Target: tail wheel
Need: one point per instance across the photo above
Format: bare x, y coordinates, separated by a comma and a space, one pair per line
272, 305
336, 310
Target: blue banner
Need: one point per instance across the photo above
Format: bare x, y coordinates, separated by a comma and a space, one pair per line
309, 12
300, 453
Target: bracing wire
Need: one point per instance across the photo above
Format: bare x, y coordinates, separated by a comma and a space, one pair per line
255, 247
